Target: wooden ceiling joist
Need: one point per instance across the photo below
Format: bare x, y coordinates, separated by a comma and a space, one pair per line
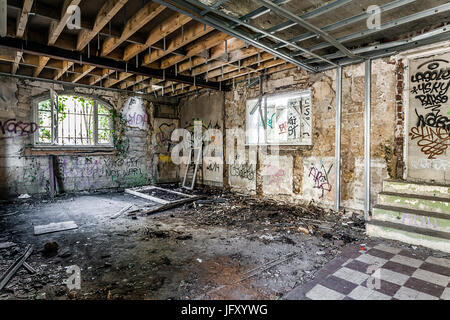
174, 22
191, 33
20, 31
140, 19
56, 28
73, 57
106, 13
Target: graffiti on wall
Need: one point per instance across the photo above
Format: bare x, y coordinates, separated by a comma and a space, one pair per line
274, 176
320, 176
91, 173
135, 114
162, 144
420, 221
12, 128
430, 84
243, 170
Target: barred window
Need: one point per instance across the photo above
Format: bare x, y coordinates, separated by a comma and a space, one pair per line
73, 120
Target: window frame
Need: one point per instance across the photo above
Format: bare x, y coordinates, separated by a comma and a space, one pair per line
53, 145
308, 143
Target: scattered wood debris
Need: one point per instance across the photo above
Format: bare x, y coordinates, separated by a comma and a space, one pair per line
118, 214
55, 227
15, 267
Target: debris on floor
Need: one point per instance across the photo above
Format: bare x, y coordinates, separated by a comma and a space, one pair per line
55, 227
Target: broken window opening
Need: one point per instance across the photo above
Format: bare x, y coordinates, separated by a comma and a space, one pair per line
280, 119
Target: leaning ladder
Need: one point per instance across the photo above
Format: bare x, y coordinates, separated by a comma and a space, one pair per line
192, 169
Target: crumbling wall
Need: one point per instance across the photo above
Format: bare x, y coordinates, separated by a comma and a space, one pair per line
307, 173
24, 170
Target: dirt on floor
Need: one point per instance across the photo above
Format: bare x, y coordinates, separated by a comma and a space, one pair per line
223, 247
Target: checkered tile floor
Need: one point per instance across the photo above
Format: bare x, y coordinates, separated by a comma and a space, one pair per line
379, 273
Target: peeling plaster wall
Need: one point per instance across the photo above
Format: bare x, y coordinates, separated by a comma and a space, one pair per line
307, 173
130, 166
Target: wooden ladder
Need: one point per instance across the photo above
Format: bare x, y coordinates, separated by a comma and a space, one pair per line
192, 168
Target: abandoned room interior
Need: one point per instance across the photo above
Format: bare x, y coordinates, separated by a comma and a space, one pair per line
224, 150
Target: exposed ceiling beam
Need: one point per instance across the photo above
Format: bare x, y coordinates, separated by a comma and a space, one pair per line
56, 28
106, 13
188, 35
22, 21
73, 57
197, 47
140, 19
158, 33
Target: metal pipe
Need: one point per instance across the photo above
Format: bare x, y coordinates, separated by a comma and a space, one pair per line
367, 162
337, 144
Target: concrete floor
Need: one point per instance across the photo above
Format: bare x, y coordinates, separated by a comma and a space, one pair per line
240, 248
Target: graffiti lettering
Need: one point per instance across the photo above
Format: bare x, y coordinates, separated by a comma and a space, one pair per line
432, 141
420, 221
17, 128
320, 177
214, 167
430, 88
244, 171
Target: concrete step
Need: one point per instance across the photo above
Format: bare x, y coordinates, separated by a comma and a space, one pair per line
437, 240
415, 202
416, 188
414, 218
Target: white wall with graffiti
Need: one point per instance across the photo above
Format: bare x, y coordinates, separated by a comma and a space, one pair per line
428, 138
318, 179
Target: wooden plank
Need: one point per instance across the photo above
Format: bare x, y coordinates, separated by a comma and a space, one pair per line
140, 19
6, 277
56, 29
55, 227
21, 26
166, 27
190, 34
23, 18
146, 196
197, 47
85, 72
174, 192
106, 13
118, 214
173, 205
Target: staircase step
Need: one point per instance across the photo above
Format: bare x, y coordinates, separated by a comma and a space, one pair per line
415, 218
416, 202
437, 240
416, 188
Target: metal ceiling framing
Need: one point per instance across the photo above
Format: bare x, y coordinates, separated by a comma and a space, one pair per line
306, 58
